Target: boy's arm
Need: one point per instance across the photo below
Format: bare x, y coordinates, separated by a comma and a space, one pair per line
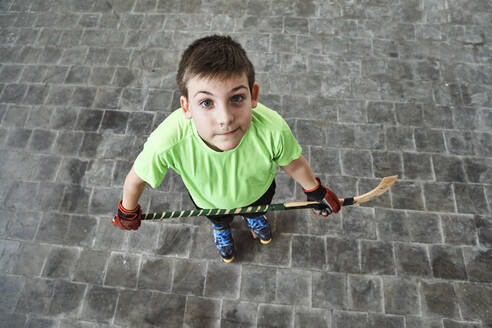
300, 171
132, 190
129, 213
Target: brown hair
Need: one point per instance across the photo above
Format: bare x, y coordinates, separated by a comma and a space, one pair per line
213, 56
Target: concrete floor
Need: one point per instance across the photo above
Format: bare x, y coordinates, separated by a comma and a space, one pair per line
370, 88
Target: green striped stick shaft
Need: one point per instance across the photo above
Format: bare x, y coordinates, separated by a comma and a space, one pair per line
217, 211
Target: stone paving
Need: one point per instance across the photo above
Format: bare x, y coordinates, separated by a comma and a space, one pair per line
370, 87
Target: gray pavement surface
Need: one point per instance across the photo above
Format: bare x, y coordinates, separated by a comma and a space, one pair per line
370, 87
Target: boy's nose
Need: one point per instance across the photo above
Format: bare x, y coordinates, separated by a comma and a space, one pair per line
225, 116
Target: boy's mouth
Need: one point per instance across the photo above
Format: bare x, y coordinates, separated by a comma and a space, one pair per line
228, 133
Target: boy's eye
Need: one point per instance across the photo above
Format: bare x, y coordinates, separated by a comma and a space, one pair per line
206, 103
237, 98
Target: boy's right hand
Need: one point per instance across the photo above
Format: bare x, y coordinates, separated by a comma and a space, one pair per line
127, 220
329, 202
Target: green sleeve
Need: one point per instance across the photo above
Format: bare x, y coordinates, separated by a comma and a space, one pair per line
153, 162
150, 167
288, 149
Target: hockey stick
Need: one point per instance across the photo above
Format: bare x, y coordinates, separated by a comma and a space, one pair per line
383, 186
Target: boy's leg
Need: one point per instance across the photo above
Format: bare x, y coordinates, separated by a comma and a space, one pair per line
222, 221
258, 224
222, 226
222, 234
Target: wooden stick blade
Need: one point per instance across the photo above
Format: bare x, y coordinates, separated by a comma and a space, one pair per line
383, 186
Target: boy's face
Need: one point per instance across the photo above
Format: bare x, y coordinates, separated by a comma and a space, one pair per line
220, 109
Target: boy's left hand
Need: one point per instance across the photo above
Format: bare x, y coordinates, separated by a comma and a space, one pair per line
329, 202
126, 219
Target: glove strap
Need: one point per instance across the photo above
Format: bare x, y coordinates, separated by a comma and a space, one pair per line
125, 211
313, 189
317, 193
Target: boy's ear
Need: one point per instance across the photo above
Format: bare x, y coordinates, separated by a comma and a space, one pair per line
185, 106
255, 93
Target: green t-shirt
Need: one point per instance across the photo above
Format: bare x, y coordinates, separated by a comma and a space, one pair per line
229, 179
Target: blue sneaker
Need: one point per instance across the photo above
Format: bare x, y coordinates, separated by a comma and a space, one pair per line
224, 242
260, 228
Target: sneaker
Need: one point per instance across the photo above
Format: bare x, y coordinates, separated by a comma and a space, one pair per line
260, 228
224, 242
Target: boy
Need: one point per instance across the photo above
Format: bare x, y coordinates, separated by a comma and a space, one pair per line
223, 143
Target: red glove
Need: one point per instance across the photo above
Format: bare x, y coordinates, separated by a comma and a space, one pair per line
127, 220
329, 202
